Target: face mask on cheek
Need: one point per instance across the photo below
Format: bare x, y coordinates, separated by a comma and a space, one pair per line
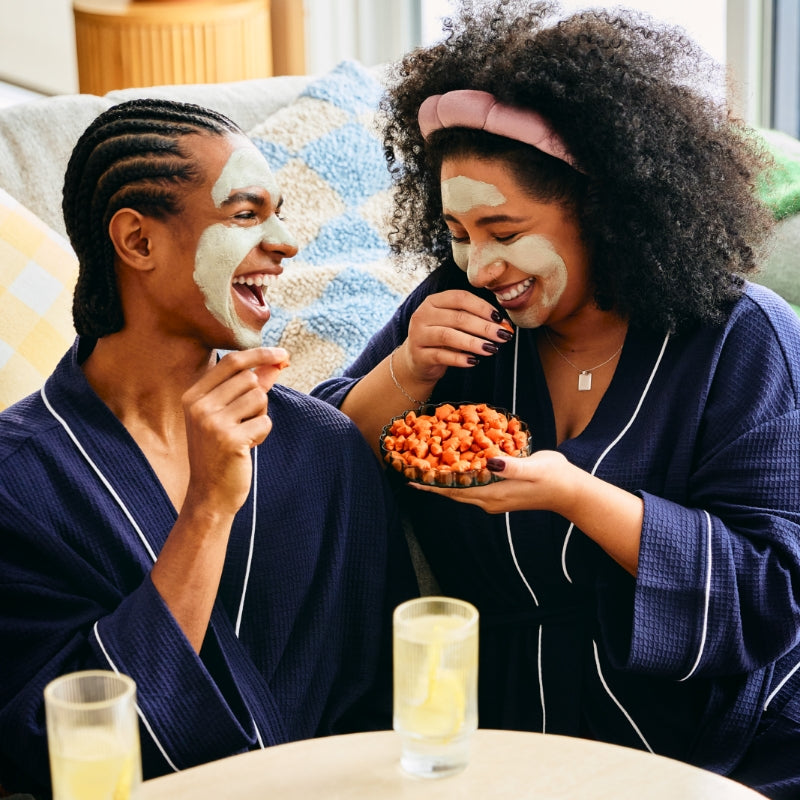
219, 252
534, 255
222, 248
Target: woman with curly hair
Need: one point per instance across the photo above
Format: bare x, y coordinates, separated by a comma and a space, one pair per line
638, 576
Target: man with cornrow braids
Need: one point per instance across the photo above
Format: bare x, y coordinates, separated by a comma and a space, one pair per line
168, 511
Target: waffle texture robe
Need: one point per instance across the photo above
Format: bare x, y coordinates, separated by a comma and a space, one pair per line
697, 657
302, 614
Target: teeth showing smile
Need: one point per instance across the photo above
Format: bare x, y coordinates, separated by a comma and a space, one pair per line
256, 280
515, 291
253, 286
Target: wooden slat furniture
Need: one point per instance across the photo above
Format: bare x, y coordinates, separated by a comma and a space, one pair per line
137, 43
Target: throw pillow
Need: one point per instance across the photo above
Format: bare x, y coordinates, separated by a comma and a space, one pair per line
341, 286
37, 276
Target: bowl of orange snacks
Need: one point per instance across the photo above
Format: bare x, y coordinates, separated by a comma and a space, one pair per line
448, 444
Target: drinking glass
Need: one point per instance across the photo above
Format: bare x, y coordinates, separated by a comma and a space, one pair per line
93, 736
435, 683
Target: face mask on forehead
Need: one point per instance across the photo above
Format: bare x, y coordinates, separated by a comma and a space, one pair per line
222, 248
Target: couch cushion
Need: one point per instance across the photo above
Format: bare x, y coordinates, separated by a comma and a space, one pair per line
37, 137
246, 102
342, 286
781, 271
328, 159
36, 140
37, 276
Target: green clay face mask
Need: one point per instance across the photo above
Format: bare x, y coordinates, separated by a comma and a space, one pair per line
222, 248
533, 254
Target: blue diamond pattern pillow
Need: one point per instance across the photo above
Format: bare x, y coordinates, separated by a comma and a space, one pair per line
341, 287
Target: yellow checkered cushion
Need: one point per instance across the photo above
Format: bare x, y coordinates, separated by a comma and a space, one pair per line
37, 276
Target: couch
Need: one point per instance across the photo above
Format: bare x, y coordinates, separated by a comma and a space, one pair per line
318, 134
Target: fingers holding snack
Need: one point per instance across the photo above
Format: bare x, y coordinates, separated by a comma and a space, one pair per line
461, 312
268, 373
454, 328
226, 415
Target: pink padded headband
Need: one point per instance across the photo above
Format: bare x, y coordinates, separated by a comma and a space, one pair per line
471, 108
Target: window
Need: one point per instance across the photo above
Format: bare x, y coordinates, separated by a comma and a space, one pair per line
785, 67
730, 31
704, 20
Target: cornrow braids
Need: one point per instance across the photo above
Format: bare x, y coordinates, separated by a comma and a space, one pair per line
129, 157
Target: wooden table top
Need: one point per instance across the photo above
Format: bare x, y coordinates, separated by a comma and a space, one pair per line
503, 764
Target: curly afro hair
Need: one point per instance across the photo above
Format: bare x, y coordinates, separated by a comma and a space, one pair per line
666, 195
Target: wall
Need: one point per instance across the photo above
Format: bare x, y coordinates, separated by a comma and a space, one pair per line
37, 38
37, 45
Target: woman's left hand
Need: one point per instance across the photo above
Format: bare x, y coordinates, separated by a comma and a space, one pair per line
609, 515
539, 481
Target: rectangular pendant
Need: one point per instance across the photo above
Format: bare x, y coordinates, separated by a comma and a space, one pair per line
584, 381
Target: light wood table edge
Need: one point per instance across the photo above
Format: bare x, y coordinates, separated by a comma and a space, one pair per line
503, 764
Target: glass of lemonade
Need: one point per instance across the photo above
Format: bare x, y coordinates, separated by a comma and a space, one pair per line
435, 683
93, 736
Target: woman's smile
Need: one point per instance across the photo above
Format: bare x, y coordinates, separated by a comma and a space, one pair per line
510, 293
526, 251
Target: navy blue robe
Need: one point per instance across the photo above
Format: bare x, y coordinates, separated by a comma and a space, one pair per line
298, 643
697, 657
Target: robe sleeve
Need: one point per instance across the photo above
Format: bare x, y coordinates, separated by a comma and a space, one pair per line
59, 614
718, 585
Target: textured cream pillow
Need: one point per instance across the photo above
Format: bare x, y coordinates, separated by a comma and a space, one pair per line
37, 276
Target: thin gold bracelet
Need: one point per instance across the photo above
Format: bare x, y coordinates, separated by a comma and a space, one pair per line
397, 383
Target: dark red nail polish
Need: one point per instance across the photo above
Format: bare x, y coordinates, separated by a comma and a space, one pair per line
495, 465
490, 347
497, 316
504, 334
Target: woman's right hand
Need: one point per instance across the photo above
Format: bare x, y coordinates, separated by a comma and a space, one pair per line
449, 329
454, 328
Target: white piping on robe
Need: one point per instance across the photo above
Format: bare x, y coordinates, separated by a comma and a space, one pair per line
780, 685
151, 553
612, 445
252, 544
704, 634
611, 695
138, 710
99, 474
514, 555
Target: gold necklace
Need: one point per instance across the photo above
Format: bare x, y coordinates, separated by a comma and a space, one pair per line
584, 375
